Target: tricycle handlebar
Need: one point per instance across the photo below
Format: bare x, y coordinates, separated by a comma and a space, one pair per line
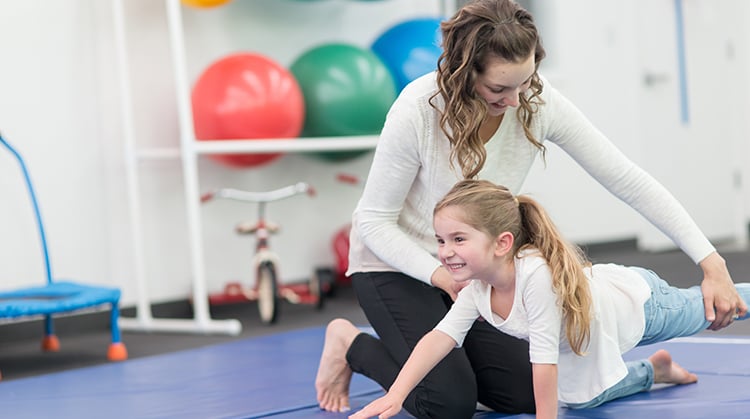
268, 196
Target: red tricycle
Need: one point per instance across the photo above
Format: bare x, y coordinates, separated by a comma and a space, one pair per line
267, 289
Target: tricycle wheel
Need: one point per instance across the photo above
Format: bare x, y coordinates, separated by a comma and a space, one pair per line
327, 279
268, 293
317, 290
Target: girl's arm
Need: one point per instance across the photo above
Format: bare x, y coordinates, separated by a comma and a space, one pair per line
545, 390
430, 350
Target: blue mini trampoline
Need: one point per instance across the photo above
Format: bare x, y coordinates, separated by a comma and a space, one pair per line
58, 296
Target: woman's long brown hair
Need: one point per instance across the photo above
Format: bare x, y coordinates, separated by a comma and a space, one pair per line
480, 31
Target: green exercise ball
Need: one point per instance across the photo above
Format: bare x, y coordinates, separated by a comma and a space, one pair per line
347, 91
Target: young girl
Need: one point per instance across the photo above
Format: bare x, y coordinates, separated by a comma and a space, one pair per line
530, 283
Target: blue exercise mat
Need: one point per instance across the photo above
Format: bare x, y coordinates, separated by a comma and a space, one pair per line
273, 377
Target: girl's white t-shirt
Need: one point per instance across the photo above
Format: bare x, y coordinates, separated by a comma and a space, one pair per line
617, 326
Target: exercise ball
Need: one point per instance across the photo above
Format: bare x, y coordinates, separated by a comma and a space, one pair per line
347, 92
204, 3
246, 96
410, 49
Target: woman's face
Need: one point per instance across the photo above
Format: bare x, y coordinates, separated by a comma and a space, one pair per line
502, 82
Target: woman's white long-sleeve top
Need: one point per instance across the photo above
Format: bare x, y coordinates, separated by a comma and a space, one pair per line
411, 171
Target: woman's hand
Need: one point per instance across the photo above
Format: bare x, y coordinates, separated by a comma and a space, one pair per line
443, 280
720, 298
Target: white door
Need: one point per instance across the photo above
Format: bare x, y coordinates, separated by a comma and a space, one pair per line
687, 64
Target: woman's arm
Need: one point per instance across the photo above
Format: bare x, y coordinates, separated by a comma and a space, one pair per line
430, 350
394, 172
545, 390
596, 154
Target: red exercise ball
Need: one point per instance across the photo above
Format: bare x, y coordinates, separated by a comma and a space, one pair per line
246, 96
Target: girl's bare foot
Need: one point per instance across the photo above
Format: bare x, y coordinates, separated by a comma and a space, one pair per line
669, 372
334, 374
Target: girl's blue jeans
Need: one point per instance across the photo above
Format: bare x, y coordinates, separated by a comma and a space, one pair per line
670, 312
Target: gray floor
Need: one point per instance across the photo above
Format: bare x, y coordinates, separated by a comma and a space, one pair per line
84, 339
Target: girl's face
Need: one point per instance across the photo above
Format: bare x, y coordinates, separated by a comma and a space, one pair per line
502, 82
465, 252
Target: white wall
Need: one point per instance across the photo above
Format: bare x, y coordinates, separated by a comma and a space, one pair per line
599, 63
591, 48
61, 107
49, 104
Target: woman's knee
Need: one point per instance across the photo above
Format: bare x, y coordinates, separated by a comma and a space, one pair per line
507, 400
448, 391
457, 401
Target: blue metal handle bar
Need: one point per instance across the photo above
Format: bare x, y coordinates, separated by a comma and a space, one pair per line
37, 213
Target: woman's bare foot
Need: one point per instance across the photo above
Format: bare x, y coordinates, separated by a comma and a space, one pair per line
669, 372
334, 374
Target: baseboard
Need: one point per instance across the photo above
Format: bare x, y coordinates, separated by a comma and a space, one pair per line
86, 321
611, 246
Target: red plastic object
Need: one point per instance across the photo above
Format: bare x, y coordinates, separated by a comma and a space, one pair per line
341, 252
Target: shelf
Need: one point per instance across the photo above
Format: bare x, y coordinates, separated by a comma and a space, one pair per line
266, 145
286, 145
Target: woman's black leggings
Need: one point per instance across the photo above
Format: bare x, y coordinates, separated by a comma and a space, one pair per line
492, 367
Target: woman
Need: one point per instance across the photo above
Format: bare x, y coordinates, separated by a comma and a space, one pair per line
485, 113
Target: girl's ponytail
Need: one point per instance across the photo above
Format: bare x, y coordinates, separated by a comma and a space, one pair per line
566, 261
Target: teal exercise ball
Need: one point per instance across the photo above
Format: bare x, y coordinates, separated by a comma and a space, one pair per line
347, 92
410, 48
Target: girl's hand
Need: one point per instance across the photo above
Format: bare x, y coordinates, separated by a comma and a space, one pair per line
382, 408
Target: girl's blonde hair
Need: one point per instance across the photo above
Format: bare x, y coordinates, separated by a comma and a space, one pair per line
493, 210
478, 32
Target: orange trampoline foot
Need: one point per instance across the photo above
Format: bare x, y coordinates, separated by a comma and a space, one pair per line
117, 352
50, 343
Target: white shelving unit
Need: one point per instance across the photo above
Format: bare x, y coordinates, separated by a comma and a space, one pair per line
189, 151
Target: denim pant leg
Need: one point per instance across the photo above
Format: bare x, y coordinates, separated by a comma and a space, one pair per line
674, 312
640, 377
671, 312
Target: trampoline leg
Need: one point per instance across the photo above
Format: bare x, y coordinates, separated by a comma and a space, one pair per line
117, 350
49, 328
50, 343
114, 317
